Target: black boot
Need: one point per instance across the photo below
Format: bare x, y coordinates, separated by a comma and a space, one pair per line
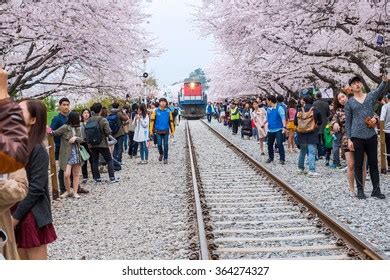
360, 194
376, 192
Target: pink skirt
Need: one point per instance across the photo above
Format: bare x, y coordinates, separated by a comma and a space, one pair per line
29, 235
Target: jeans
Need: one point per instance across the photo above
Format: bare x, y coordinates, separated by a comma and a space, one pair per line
278, 136
255, 133
370, 148
336, 148
105, 152
118, 149
311, 150
163, 147
209, 116
125, 142
235, 124
144, 151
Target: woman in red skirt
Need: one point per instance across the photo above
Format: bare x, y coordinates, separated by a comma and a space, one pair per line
32, 217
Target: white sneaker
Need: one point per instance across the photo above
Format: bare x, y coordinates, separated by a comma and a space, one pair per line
66, 194
313, 174
76, 195
302, 172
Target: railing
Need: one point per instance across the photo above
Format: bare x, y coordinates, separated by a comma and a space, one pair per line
52, 167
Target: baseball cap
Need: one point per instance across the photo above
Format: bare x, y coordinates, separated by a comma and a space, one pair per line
355, 79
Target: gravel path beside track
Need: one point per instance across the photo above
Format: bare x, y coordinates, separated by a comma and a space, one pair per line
142, 217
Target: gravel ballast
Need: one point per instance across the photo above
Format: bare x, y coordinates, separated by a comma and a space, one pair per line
369, 218
142, 217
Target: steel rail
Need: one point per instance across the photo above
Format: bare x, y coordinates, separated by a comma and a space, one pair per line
363, 248
204, 253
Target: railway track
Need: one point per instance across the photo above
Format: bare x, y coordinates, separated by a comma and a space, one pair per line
242, 211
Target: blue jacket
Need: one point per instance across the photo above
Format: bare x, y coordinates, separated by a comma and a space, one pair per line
162, 121
275, 117
210, 109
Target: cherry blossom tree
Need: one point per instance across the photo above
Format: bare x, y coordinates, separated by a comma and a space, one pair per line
283, 46
86, 47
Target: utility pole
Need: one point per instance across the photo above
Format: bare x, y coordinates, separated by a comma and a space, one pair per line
145, 75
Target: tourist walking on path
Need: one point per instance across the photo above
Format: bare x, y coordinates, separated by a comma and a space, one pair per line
259, 117
85, 116
307, 121
97, 131
210, 111
340, 141
276, 120
234, 117
385, 117
57, 122
117, 120
70, 157
162, 123
360, 127
291, 113
323, 108
32, 217
141, 133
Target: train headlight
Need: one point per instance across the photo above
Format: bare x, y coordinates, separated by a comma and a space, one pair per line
192, 85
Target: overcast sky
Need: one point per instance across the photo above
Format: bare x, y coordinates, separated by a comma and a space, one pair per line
172, 24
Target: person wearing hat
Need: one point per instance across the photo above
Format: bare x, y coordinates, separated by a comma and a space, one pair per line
161, 124
360, 127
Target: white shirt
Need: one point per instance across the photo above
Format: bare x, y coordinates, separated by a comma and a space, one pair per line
385, 116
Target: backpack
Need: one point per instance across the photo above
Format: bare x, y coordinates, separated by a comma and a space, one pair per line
306, 121
115, 124
93, 132
131, 126
328, 137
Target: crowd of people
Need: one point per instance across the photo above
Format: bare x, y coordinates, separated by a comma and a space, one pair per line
91, 136
345, 127
322, 129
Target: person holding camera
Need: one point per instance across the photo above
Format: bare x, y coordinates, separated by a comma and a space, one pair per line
360, 127
13, 157
13, 133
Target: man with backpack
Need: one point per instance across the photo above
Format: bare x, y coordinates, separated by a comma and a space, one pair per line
117, 121
161, 123
97, 130
308, 120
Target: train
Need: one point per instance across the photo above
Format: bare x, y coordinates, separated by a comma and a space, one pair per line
192, 100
